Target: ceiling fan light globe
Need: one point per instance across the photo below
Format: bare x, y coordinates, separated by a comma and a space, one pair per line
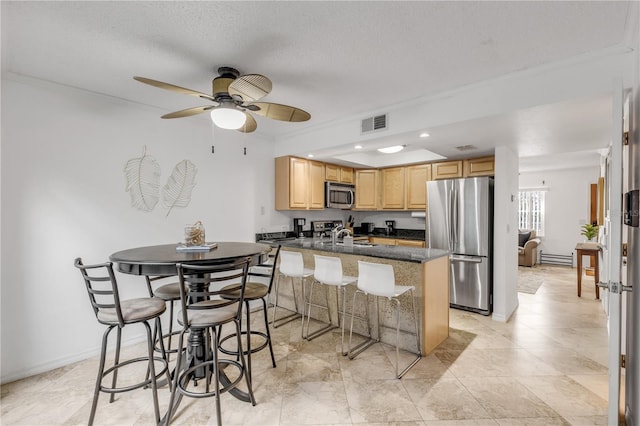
228, 118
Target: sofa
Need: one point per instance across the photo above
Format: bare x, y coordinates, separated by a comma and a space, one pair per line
527, 247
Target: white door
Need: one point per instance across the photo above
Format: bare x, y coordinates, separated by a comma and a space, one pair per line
612, 278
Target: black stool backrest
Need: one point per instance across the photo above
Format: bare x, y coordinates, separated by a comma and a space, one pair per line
102, 287
202, 285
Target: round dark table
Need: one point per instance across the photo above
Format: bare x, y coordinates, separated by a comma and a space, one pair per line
162, 259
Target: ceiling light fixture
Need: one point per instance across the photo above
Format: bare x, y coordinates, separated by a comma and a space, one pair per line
228, 117
310, 155
424, 135
358, 147
391, 149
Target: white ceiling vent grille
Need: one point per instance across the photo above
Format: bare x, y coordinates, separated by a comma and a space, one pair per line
466, 147
373, 124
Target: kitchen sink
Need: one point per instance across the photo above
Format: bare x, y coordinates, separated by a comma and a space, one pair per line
356, 244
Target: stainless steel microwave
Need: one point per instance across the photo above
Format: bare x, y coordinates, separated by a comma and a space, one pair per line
339, 195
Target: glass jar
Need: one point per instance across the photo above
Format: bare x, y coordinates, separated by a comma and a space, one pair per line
194, 234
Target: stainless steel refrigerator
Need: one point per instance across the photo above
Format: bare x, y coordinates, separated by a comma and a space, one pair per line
460, 220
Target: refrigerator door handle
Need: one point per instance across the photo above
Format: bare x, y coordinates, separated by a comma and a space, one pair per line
469, 259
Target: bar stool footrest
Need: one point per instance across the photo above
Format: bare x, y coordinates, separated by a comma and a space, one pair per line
142, 384
227, 385
245, 352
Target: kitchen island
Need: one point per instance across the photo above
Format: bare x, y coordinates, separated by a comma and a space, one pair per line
426, 269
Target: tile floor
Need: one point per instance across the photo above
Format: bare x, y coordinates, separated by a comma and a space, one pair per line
546, 366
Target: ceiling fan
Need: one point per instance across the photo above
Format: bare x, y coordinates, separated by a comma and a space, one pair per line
233, 96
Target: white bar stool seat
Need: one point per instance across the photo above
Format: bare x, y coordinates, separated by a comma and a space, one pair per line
292, 267
378, 280
328, 271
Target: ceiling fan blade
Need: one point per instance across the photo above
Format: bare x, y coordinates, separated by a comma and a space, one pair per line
251, 87
173, 88
250, 125
189, 111
281, 112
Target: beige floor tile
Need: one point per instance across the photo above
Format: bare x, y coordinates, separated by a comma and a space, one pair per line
545, 366
380, 401
554, 391
506, 397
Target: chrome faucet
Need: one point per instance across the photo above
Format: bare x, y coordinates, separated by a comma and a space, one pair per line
337, 232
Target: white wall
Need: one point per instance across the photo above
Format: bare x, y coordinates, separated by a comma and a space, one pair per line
505, 234
63, 196
567, 205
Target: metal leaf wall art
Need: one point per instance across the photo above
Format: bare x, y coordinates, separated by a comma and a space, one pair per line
143, 183
177, 191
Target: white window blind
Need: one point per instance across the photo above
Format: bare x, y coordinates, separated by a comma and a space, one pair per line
531, 210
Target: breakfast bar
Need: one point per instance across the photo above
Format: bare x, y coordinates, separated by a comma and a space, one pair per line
426, 269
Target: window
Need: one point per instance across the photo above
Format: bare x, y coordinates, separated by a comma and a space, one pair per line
531, 210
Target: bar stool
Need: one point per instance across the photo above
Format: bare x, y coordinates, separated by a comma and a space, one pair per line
291, 266
254, 291
109, 310
203, 313
328, 272
377, 279
170, 293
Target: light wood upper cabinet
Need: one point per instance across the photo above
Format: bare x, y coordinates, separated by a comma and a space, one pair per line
483, 166
299, 184
446, 170
335, 173
392, 195
366, 189
417, 177
346, 175
316, 185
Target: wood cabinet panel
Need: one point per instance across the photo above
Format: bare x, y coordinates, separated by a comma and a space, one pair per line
446, 170
299, 184
392, 196
346, 175
383, 240
367, 189
483, 166
332, 172
410, 243
417, 177
335, 173
316, 185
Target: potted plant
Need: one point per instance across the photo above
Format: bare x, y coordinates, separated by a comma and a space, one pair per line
590, 231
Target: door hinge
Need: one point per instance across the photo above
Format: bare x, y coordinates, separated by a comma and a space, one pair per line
623, 361
615, 287
625, 138
624, 249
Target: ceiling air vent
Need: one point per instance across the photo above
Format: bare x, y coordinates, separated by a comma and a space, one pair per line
372, 124
466, 147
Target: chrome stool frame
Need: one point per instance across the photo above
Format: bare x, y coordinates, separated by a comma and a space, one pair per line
377, 279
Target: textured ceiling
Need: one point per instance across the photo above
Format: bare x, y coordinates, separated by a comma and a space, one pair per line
333, 59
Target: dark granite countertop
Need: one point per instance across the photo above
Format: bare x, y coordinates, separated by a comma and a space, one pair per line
407, 254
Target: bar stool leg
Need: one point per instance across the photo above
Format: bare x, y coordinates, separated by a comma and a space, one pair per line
116, 361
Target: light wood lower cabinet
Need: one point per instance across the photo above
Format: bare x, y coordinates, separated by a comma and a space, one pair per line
410, 243
396, 242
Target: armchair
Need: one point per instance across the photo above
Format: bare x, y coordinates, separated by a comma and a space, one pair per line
527, 247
